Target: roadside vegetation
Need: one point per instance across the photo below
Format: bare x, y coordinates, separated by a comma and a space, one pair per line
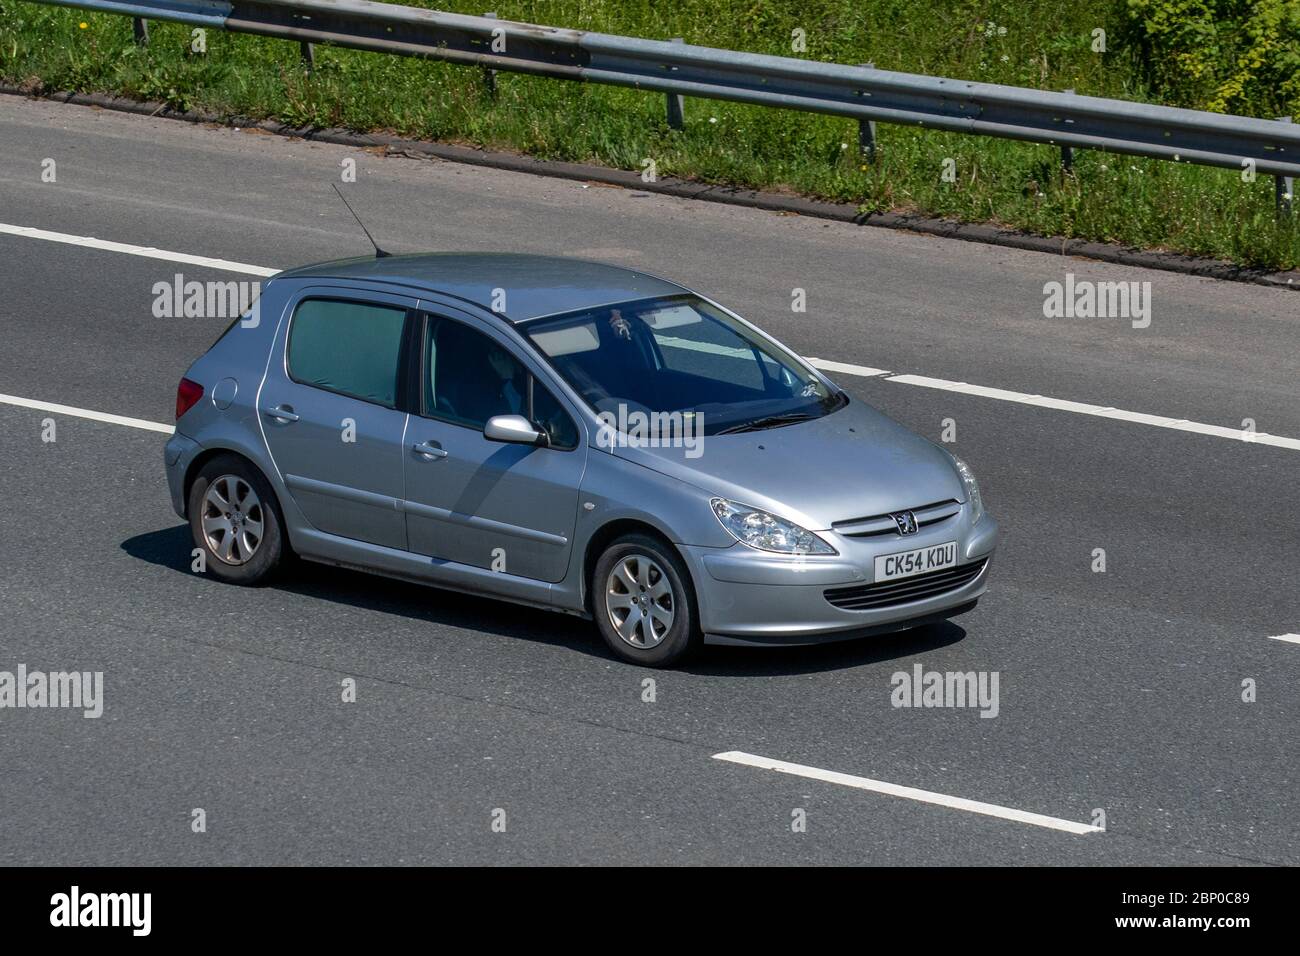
1239, 56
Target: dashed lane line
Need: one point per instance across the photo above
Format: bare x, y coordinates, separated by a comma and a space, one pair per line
908, 793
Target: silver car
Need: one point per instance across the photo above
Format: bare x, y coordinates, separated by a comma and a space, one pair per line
571, 436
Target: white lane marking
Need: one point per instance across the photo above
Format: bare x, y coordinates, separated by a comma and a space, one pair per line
86, 413
910, 793
1099, 411
1002, 394
1289, 638
828, 366
147, 251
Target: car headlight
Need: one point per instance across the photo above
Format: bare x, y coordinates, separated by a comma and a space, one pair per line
972, 489
766, 532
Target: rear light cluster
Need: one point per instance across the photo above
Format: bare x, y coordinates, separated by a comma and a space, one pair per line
187, 394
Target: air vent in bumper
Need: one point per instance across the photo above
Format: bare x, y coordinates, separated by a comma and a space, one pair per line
869, 597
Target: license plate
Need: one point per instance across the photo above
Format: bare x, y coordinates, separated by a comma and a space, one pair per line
904, 564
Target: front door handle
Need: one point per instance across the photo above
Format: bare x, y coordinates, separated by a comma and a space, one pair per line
429, 450
281, 413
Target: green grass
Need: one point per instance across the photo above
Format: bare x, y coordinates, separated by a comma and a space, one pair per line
1137, 202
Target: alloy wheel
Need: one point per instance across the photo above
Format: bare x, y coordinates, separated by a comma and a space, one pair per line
232, 519
640, 602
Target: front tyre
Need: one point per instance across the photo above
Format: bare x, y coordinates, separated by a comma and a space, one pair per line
643, 603
235, 520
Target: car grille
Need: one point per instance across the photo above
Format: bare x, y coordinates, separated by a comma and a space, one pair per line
884, 524
866, 597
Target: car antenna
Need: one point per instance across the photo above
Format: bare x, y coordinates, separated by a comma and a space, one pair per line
379, 253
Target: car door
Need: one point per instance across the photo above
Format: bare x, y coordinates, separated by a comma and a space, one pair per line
503, 507
332, 409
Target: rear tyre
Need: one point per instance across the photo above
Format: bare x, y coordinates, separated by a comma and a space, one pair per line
643, 602
235, 520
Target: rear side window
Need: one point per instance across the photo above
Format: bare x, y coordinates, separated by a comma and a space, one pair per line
347, 347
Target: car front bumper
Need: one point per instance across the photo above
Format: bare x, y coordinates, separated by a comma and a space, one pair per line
752, 597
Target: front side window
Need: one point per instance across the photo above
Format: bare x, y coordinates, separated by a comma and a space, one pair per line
347, 347
681, 354
549, 415
470, 377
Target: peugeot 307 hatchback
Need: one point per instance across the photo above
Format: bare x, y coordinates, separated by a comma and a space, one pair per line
570, 436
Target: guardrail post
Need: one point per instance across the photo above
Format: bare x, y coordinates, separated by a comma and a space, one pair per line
1067, 154
307, 51
140, 28
1284, 186
676, 102
867, 131
489, 75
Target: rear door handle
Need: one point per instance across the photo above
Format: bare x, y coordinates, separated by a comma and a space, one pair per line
429, 450
281, 413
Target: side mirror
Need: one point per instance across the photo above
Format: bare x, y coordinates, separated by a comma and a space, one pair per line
514, 429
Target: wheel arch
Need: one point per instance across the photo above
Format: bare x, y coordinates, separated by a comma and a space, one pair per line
218, 451
613, 530
202, 458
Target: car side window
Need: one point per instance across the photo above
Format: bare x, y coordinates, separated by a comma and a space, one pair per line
549, 415
470, 377
347, 347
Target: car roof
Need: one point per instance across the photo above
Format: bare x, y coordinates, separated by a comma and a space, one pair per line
534, 286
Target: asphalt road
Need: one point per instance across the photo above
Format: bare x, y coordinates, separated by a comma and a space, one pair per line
1119, 690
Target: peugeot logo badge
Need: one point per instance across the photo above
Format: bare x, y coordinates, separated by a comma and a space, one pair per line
906, 522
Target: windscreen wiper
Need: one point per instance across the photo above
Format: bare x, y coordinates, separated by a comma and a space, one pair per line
771, 421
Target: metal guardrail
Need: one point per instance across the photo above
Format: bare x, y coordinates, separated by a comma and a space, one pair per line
859, 92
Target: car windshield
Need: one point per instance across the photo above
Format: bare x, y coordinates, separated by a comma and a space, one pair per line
681, 354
